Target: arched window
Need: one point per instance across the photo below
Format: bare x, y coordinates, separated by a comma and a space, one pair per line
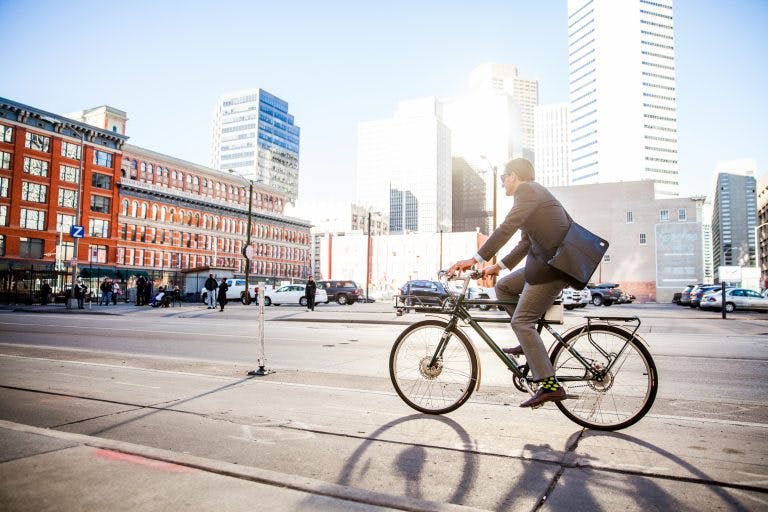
181, 216
154, 212
163, 213
143, 170
124, 207
150, 169
134, 207
197, 220
143, 210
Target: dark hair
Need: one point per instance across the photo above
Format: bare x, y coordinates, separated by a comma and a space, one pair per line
522, 168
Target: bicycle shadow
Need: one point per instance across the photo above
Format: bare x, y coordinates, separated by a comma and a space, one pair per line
410, 463
645, 490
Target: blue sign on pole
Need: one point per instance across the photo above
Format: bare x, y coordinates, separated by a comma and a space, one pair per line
76, 231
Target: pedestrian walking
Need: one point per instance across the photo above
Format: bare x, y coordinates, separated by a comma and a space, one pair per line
211, 286
141, 289
223, 287
116, 292
45, 293
80, 292
106, 291
309, 293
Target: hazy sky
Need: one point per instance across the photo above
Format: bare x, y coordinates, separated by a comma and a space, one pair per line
337, 63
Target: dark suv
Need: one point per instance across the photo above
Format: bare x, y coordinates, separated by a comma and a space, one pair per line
425, 293
343, 292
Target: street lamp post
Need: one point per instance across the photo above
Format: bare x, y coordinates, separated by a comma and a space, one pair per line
247, 250
72, 301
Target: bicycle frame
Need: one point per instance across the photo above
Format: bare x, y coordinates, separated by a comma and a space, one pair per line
459, 312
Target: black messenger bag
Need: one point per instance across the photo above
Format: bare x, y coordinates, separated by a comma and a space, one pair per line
578, 255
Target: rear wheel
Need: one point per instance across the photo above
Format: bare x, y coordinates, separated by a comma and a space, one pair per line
434, 389
623, 395
303, 301
597, 300
730, 307
267, 301
342, 299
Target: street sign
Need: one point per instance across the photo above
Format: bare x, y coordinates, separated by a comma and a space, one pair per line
76, 231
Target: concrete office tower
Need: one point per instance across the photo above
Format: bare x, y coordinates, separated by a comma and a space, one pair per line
525, 92
553, 157
255, 136
734, 214
404, 167
623, 100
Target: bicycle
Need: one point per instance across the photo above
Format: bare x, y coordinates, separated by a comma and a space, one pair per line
606, 368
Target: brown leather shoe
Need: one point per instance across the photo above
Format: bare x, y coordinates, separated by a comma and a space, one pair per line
514, 351
543, 396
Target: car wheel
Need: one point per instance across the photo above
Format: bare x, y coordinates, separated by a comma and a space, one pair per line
597, 300
730, 307
342, 299
243, 300
569, 307
204, 296
267, 301
607, 303
303, 301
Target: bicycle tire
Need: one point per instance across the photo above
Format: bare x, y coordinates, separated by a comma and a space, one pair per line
624, 396
433, 391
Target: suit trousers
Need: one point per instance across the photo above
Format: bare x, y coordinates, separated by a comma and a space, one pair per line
534, 301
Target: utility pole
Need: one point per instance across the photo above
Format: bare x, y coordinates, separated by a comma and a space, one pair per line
248, 250
368, 260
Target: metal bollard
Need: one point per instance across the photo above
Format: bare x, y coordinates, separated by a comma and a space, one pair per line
262, 358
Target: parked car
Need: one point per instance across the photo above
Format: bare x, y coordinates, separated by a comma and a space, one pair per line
421, 292
605, 294
735, 298
699, 291
573, 298
685, 295
236, 290
341, 291
292, 294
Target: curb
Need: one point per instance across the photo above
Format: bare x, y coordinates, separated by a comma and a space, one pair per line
263, 476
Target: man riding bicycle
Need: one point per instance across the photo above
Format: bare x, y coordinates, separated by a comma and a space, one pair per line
543, 223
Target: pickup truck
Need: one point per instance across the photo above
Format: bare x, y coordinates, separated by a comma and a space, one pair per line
605, 294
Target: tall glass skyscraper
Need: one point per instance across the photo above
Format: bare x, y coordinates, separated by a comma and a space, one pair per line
623, 101
255, 136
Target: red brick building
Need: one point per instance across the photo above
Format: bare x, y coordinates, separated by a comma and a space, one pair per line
142, 211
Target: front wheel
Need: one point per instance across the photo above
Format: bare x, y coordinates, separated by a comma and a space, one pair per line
597, 300
303, 301
730, 307
622, 395
267, 301
438, 388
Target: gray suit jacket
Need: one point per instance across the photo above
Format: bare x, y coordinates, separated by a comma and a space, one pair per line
543, 223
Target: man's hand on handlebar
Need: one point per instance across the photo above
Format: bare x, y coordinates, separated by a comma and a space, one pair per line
461, 265
491, 270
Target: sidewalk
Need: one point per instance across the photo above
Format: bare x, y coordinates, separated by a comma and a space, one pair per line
43, 469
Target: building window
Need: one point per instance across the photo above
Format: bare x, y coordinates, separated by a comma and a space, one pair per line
64, 222
101, 204
98, 227
70, 150
35, 167
6, 133
5, 160
102, 158
642, 238
38, 142
65, 251
31, 248
67, 198
98, 253
630, 218
663, 215
69, 173
99, 180
2, 242
34, 192
681, 215
3, 215
4, 185
32, 219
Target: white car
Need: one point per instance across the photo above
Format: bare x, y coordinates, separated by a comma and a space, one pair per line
292, 294
735, 298
236, 290
573, 298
